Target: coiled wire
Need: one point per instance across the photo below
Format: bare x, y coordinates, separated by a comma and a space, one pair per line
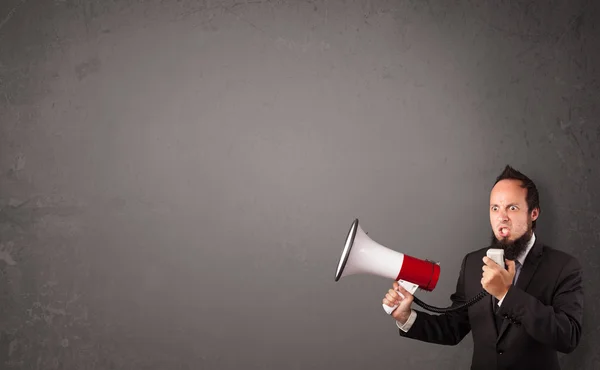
462, 306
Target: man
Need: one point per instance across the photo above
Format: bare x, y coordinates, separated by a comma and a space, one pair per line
535, 306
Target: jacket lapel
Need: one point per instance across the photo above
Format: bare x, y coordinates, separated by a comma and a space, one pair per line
527, 271
492, 314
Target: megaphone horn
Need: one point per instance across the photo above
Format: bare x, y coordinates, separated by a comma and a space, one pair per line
362, 255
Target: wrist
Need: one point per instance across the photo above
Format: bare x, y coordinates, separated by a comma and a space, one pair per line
403, 317
502, 294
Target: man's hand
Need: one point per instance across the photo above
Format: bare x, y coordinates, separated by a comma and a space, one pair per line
399, 296
496, 280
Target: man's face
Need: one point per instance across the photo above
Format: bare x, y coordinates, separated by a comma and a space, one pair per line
509, 216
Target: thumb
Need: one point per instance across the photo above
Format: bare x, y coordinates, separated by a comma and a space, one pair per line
511, 266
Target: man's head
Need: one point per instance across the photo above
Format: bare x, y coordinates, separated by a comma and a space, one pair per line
514, 209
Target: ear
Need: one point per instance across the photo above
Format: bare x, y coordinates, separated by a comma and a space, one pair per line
535, 214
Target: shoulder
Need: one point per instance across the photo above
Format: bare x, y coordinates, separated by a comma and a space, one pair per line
563, 268
476, 254
559, 257
474, 258
556, 253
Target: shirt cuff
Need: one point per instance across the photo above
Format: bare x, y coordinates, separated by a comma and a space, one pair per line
500, 301
411, 319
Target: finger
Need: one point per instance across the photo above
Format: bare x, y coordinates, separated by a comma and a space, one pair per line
388, 303
490, 262
488, 272
392, 299
403, 292
399, 294
511, 266
393, 294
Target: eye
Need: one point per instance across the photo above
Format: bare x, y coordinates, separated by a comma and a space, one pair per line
494, 208
514, 208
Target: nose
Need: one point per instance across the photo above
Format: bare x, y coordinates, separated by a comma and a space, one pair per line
502, 216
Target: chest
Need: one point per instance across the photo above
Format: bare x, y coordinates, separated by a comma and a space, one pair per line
537, 281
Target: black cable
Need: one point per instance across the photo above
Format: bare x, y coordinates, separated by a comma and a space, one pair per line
469, 303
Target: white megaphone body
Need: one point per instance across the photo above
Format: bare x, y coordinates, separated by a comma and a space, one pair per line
362, 255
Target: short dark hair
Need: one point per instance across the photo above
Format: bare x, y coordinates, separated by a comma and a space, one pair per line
532, 197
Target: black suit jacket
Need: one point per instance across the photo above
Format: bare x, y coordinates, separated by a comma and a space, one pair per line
541, 313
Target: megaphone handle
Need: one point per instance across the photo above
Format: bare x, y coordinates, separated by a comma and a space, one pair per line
410, 287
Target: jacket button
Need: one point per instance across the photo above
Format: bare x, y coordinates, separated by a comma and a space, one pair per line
500, 352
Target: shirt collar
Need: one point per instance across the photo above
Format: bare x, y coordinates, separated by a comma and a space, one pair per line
522, 257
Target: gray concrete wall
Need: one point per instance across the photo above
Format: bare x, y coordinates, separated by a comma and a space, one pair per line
177, 177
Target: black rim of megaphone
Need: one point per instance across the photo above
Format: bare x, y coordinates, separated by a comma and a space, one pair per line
347, 248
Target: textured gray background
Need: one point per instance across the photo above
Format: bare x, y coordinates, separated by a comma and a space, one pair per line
177, 177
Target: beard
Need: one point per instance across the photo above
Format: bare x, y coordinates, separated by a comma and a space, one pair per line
512, 249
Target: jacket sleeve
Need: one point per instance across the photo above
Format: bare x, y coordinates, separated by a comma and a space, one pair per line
447, 328
559, 324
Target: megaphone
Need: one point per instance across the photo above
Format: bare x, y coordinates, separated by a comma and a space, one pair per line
362, 255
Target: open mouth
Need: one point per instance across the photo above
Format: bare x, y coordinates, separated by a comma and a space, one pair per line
504, 231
